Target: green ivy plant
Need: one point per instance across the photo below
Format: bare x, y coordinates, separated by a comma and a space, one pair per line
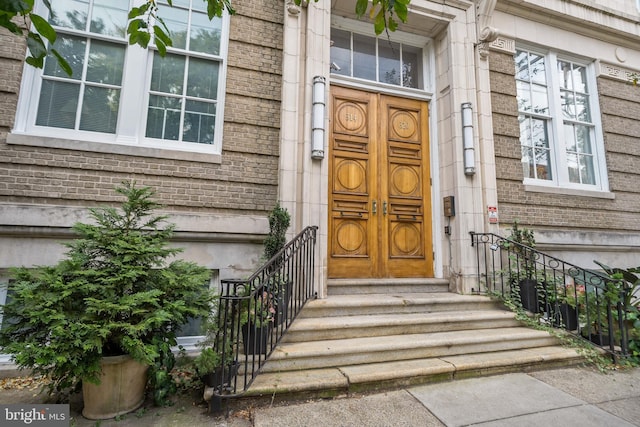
114, 293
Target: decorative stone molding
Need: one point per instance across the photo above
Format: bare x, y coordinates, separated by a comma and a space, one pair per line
503, 44
614, 72
487, 35
292, 8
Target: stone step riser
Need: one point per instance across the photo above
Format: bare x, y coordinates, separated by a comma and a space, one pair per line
288, 362
417, 307
385, 289
325, 333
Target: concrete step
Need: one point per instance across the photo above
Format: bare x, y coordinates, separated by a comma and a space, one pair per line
366, 350
385, 286
396, 303
342, 380
343, 327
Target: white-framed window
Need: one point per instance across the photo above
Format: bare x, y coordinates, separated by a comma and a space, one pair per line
190, 334
397, 62
560, 132
125, 94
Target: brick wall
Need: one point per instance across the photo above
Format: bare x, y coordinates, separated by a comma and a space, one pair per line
620, 108
245, 181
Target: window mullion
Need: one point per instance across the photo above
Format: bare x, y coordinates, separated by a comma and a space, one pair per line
556, 139
134, 95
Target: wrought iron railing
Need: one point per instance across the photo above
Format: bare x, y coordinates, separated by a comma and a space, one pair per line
586, 303
254, 313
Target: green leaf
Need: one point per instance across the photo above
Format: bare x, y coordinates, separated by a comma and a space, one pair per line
401, 10
5, 21
36, 46
138, 11
379, 24
361, 7
44, 28
161, 36
393, 25
62, 62
16, 6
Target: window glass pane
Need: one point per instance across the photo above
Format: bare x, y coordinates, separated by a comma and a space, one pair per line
73, 50
572, 77
163, 118
539, 99
543, 164
539, 133
411, 58
70, 13
524, 96
176, 21
341, 52
522, 65
583, 137
364, 57
199, 122
527, 163
569, 137
168, 74
202, 79
572, 168
100, 109
205, 34
58, 104
579, 79
109, 17
106, 61
587, 174
389, 62
537, 69
582, 108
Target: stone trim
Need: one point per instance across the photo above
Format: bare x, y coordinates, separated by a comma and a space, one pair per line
615, 72
503, 44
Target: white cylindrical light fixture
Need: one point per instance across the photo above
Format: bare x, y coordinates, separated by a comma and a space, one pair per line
317, 118
467, 139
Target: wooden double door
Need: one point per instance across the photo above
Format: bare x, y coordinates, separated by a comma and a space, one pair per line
379, 186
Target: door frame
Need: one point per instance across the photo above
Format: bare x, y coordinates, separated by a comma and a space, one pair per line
435, 221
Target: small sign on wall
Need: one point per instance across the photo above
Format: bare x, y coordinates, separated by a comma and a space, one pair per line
493, 214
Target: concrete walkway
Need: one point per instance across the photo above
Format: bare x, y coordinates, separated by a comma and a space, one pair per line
563, 397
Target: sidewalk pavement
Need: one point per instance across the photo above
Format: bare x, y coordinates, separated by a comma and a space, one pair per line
576, 396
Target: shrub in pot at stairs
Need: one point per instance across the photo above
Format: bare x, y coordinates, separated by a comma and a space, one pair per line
523, 268
115, 295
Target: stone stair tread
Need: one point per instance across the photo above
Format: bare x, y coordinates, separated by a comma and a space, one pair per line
401, 342
381, 320
397, 299
345, 379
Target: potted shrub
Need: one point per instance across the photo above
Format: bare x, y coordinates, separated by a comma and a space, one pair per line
257, 312
114, 298
215, 363
522, 267
278, 285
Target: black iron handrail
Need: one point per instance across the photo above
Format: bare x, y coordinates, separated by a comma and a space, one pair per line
586, 303
255, 313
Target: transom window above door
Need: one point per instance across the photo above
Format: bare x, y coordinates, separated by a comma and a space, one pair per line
376, 59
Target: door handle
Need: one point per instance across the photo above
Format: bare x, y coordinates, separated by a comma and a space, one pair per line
384, 207
374, 207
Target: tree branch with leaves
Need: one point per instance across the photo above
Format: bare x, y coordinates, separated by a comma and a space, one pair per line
146, 23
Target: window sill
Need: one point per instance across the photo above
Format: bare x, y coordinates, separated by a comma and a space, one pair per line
112, 148
569, 191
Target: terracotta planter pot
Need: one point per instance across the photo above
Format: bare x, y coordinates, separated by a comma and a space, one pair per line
121, 389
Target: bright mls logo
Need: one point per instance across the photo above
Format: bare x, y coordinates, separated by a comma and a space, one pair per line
34, 415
